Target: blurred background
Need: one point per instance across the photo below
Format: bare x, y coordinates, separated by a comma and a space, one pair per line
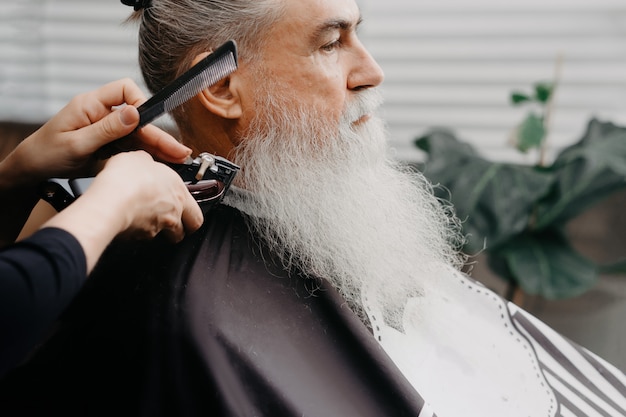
448, 63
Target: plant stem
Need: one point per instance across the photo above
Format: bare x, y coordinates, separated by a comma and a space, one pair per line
547, 114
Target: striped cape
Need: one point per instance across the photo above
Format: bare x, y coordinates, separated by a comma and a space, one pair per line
472, 353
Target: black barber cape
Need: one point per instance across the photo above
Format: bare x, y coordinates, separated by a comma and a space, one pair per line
208, 327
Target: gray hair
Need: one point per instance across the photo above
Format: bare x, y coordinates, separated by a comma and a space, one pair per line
173, 32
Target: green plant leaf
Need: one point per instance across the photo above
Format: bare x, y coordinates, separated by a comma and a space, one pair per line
440, 143
530, 133
546, 265
494, 200
586, 173
518, 98
543, 91
445, 153
615, 268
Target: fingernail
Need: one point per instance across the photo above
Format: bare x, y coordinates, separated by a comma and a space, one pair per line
128, 116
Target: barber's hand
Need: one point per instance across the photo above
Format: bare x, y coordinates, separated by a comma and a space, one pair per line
151, 197
133, 196
65, 145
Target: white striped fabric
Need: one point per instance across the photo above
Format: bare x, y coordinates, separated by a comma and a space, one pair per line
470, 352
585, 385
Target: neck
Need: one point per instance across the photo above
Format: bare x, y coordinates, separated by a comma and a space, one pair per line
214, 135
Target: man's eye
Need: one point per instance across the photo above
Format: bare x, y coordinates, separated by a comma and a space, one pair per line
329, 47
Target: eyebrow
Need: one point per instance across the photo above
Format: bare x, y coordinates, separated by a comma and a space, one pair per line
334, 24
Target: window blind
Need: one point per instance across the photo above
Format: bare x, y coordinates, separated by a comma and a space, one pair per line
53, 50
453, 63
448, 63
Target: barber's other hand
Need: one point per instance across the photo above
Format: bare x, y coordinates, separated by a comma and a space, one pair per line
133, 196
64, 146
151, 197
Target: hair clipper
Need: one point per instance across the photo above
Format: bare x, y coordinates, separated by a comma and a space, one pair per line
207, 177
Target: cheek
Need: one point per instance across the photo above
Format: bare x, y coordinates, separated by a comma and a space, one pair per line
315, 89
330, 96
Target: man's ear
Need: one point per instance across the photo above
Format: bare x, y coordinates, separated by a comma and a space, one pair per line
222, 98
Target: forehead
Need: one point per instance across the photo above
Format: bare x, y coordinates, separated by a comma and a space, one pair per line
305, 17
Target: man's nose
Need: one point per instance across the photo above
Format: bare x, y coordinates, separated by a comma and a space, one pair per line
365, 71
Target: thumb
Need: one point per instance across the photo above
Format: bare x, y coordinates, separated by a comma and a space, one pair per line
113, 126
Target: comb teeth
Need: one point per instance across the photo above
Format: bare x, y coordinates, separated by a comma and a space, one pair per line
222, 67
211, 69
205, 73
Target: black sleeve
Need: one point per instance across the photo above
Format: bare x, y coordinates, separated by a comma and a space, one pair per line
39, 276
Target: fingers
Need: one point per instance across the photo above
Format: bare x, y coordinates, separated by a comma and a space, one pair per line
108, 128
90, 107
192, 217
118, 92
91, 120
154, 198
66, 144
189, 220
174, 232
162, 145
154, 140
115, 125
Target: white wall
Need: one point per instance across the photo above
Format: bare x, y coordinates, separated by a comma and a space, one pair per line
448, 63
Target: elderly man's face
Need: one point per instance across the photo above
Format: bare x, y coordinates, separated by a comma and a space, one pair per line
320, 189
316, 60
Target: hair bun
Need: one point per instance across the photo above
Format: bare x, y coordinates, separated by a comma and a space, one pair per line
137, 4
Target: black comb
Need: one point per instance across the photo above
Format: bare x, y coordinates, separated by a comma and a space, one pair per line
211, 69
207, 72
209, 187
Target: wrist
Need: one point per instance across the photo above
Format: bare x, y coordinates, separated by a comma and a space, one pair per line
110, 206
94, 219
18, 202
15, 174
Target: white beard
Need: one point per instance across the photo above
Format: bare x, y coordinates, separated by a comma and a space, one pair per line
330, 202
